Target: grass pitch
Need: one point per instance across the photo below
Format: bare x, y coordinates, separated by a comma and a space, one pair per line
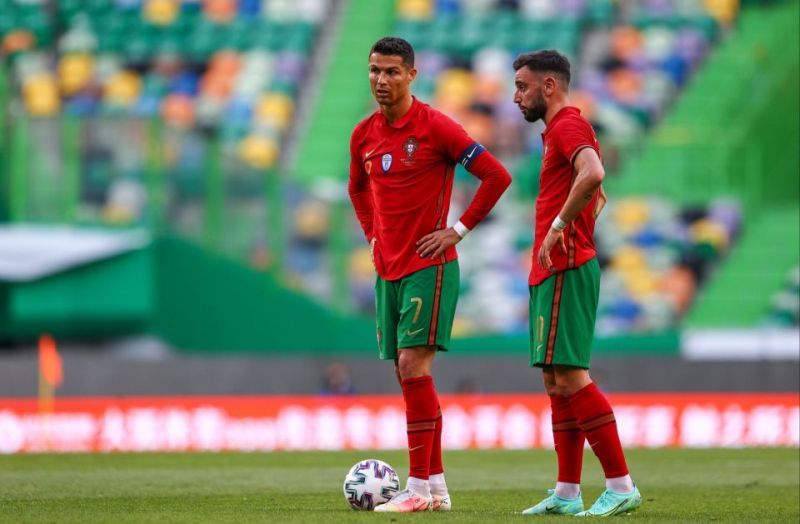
748, 485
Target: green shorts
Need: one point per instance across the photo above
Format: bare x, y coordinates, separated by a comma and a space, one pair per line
563, 310
416, 310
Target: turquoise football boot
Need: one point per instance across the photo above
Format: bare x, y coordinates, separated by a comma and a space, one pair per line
555, 505
611, 503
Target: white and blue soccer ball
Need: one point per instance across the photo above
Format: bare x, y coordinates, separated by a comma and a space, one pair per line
370, 483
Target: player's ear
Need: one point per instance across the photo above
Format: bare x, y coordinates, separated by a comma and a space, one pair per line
550, 84
412, 74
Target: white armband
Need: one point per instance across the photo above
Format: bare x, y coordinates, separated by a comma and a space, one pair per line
461, 229
558, 224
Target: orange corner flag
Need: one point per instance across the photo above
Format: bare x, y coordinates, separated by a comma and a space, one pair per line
50, 361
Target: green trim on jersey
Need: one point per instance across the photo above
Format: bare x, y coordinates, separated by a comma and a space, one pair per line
416, 310
563, 310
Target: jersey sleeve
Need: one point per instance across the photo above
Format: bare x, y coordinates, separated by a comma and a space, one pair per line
573, 136
453, 141
460, 148
358, 187
494, 181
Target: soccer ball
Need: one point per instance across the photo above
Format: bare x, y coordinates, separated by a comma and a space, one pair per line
370, 483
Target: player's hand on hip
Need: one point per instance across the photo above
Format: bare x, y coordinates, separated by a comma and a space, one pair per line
602, 199
435, 244
553, 238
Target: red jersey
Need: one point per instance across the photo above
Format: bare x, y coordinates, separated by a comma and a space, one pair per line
565, 136
401, 179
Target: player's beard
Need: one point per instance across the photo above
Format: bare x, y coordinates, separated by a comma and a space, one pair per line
537, 110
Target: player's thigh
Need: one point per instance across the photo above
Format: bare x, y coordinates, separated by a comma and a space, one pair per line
539, 316
579, 299
387, 316
563, 313
427, 301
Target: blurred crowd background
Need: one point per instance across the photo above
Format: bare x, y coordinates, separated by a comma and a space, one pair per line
226, 122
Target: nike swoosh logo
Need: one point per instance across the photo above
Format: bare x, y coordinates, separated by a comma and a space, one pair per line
539, 348
415, 448
612, 510
366, 155
467, 158
412, 333
550, 508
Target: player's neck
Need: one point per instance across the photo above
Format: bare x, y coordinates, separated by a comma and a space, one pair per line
397, 111
554, 108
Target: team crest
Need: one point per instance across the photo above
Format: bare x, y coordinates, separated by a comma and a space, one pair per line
386, 162
410, 147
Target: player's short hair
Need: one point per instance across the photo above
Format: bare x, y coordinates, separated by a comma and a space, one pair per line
545, 61
393, 46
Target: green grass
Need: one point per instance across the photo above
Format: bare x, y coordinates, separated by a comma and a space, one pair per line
747, 485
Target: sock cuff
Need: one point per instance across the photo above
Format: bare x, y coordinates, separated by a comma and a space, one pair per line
589, 405
411, 382
586, 391
558, 403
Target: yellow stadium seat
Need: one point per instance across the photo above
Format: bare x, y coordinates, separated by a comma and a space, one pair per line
276, 109
709, 232
455, 89
74, 72
258, 151
360, 263
724, 11
415, 9
631, 214
641, 283
311, 219
40, 94
462, 327
628, 259
123, 88
161, 12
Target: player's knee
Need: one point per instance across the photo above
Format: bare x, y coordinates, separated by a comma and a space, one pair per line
408, 368
552, 389
411, 364
571, 382
549, 381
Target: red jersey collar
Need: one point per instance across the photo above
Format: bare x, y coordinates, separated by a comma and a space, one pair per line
564, 111
403, 120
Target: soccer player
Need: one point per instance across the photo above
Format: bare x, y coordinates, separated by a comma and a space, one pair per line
402, 160
564, 288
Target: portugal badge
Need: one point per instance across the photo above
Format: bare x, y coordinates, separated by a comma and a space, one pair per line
410, 147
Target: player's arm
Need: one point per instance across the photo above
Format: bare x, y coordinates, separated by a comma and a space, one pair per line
494, 181
358, 187
589, 174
